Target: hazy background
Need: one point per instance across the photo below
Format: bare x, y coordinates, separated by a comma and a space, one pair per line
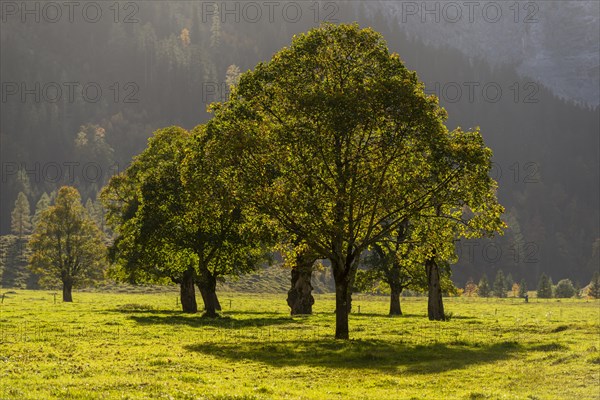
84, 87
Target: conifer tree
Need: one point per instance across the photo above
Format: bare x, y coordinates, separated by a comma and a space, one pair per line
483, 289
21, 217
499, 289
544, 289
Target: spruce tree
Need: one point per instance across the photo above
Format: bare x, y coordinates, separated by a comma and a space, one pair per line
100, 216
483, 289
21, 216
42, 204
90, 209
508, 282
499, 289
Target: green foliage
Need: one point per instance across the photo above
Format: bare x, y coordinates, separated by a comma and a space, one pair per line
499, 288
594, 290
168, 220
564, 289
370, 281
390, 261
21, 216
335, 140
544, 289
141, 203
13, 249
483, 289
66, 245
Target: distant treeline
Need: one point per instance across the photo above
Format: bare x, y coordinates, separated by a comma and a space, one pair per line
165, 70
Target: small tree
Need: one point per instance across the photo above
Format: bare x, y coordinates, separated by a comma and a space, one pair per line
508, 282
523, 288
41, 206
544, 289
594, 291
67, 246
499, 283
21, 217
565, 289
483, 289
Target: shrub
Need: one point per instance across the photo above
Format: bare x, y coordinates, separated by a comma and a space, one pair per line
544, 289
565, 289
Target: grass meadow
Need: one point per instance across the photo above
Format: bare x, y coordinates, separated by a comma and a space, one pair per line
140, 346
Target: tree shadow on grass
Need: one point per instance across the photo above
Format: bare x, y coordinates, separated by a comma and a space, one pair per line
360, 354
227, 312
385, 315
198, 321
144, 311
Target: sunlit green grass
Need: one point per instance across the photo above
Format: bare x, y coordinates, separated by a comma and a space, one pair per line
139, 346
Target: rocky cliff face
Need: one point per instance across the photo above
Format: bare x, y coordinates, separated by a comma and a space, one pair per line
555, 43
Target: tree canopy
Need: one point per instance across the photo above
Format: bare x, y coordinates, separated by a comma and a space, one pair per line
335, 139
544, 289
66, 245
183, 227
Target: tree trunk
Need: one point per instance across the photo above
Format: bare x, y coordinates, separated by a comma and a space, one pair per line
300, 297
395, 301
208, 289
188, 293
209, 295
435, 305
349, 300
67, 289
216, 300
344, 272
341, 310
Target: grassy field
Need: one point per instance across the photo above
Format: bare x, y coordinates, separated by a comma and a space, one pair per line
139, 346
